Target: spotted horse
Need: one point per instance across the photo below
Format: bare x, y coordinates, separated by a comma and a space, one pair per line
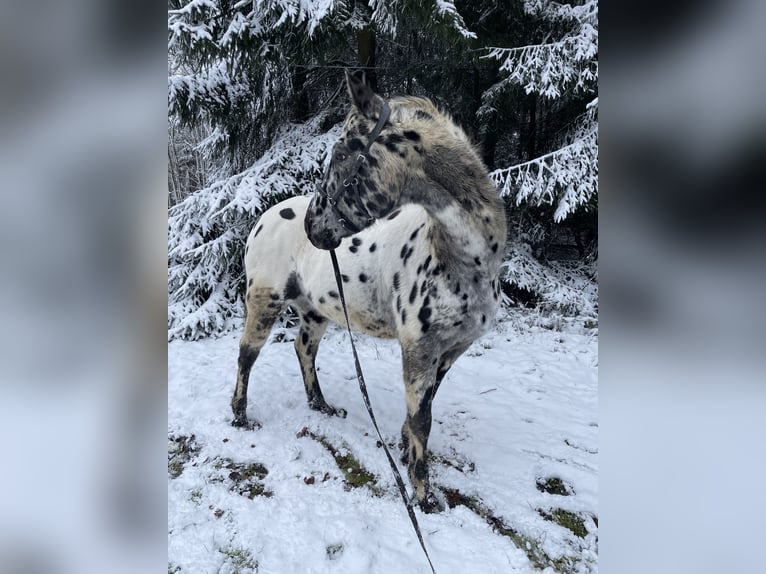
419, 231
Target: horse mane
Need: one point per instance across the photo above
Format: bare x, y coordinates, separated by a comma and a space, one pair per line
416, 102
423, 112
409, 105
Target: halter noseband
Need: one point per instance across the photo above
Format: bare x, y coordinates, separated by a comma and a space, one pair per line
351, 179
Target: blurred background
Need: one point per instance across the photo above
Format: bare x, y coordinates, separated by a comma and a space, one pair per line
87, 172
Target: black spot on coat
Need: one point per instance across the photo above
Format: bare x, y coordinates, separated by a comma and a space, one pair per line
292, 289
314, 316
411, 135
287, 213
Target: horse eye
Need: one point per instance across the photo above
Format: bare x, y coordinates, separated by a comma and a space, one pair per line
342, 157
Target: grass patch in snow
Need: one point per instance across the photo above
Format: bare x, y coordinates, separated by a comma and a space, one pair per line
554, 485
238, 561
181, 449
566, 519
244, 477
537, 556
354, 473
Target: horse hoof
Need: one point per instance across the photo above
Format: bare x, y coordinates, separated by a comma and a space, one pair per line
333, 412
243, 423
328, 410
430, 504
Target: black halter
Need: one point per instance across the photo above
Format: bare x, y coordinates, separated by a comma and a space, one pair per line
351, 179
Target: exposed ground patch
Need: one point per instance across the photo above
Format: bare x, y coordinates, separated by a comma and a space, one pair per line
554, 485
354, 473
244, 478
566, 519
537, 556
181, 449
238, 561
334, 551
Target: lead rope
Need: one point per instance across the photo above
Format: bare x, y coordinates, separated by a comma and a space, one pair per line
366, 397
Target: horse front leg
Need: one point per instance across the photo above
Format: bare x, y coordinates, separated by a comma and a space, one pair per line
310, 334
417, 426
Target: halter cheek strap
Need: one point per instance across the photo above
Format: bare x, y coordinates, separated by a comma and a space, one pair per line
352, 180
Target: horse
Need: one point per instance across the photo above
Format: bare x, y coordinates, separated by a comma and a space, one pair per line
419, 231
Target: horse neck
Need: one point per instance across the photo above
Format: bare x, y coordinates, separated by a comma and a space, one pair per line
468, 213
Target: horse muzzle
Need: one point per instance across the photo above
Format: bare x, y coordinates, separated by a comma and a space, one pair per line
324, 240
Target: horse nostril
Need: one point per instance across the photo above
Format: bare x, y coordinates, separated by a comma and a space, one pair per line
327, 240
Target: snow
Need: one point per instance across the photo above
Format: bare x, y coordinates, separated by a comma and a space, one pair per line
519, 406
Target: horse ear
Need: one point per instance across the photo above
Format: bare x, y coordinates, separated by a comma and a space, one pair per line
361, 94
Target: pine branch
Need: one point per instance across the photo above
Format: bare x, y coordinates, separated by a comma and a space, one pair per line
566, 177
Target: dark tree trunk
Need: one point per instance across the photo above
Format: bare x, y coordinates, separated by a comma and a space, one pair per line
365, 39
300, 100
532, 141
488, 131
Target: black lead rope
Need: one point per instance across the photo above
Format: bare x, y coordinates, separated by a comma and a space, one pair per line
366, 397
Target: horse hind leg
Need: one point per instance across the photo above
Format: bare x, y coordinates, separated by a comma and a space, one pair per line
310, 334
262, 309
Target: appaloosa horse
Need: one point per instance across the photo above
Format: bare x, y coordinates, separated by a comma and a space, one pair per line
419, 230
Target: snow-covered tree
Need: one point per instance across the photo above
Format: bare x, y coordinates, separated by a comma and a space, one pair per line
207, 230
559, 73
566, 176
248, 66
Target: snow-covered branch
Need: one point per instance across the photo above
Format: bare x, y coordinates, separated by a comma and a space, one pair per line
386, 15
566, 178
551, 68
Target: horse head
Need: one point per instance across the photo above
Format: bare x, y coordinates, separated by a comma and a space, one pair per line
366, 174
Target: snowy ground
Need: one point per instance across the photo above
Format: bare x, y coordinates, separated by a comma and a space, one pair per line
517, 410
